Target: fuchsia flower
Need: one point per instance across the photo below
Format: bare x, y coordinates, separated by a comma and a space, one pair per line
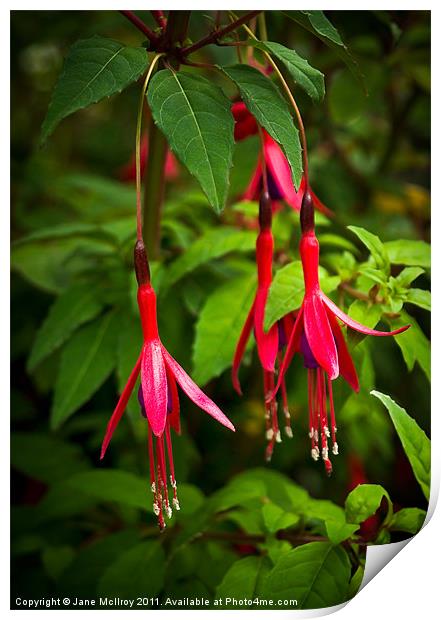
268, 344
158, 395
318, 337
280, 184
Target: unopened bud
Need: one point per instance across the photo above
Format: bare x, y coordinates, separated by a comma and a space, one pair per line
142, 269
265, 211
307, 213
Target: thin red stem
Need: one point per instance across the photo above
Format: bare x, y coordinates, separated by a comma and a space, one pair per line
159, 18
138, 23
218, 34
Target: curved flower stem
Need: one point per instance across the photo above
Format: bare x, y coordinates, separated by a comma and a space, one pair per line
294, 105
138, 147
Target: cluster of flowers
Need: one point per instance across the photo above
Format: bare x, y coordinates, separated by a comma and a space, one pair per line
312, 331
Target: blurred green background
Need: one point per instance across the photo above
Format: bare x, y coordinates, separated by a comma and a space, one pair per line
73, 224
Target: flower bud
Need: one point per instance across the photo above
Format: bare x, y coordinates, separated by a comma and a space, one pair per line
307, 213
265, 211
142, 269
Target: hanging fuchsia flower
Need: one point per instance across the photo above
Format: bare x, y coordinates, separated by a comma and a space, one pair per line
318, 337
268, 344
158, 395
280, 184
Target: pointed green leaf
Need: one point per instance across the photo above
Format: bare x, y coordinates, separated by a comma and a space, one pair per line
275, 518
364, 501
75, 306
419, 297
408, 520
408, 252
338, 532
195, 116
94, 68
211, 245
244, 578
264, 101
86, 362
317, 23
414, 345
316, 575
219, 327
374, 245
138, 572
414, 440
44, 457
311, 80
408, 275
287, 290
112, 485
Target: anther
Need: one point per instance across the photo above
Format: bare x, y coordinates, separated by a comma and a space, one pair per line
168, 511
326, 431
156, 509
176, 504
288, 432
153, 487
325, 454
278, 437
315, 454
335, 448
269, 434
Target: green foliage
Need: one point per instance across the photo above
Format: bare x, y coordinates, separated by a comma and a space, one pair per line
245, 578
94, 68
219, 326
316, 575
81, 527
195, 116
213, 244
270, 109
126, 577
86, 362
287, 290
414, 440
75, 306
311, 80
364, 501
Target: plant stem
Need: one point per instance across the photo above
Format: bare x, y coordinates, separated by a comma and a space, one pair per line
138, 23
139, 226
295, 107
217, 34
159, 18
262, 27
154, 184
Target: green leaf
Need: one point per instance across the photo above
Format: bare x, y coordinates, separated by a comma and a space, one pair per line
311, 80
374, 245
219, 326
367, 314
139, 572
413, 343
213, 244
93, 559
323, 26
94, 68
45, 457
86, 361
56, 559
195, 116
277, 519
264, 101
316, 575
287, 290
414, 440
317, 23
364, 501
244, 579
75, 306
338, 532
408, 520
237, 492
419, 297
408, 275
408, 252
112, 485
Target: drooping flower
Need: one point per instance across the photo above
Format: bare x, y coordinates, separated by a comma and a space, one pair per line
158, 396
128, 171
268, 344
317, 336
280, 184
